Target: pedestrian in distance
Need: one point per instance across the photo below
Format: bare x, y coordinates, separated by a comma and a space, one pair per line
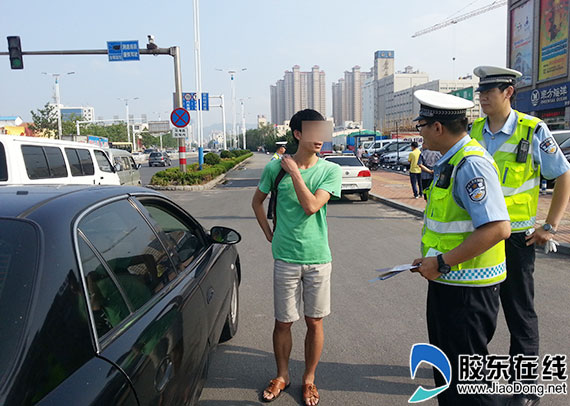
360, 151
415, 171
299, 243
463, 251
523, 149
427, 161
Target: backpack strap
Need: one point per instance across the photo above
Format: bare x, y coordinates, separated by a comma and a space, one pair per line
273, 207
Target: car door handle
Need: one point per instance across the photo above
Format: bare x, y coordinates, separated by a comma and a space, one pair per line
210, 295
163, 374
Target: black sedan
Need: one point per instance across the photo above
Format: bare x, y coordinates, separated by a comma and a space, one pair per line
109, 296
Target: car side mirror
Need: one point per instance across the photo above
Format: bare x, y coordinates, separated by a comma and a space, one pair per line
138, 166
224, 235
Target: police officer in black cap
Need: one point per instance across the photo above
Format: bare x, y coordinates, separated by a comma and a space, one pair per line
523, 149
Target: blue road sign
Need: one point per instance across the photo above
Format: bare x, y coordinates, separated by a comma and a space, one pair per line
123, 51
180, 117
205, 102
189, 101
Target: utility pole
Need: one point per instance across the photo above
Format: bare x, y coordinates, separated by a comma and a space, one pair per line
243, 123
198, 80
221, 97
233, 89
57, 99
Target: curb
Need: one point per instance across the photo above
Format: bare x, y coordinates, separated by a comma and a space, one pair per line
563, 248
210, 185
397, 205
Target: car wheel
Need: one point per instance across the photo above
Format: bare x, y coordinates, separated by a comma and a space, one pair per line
231, 326
364, 196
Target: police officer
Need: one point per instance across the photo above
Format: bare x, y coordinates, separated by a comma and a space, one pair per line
280, 150
523, 148
463, 252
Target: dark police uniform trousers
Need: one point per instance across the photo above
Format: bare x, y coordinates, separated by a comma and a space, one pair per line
517, 296
461, 320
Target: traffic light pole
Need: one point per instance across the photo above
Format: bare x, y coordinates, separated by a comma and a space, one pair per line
172, 51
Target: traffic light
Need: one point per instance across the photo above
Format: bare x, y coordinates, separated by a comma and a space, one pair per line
15, 51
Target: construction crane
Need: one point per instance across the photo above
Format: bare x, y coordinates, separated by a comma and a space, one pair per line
455, 20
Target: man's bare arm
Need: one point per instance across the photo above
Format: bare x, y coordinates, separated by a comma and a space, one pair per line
260, 215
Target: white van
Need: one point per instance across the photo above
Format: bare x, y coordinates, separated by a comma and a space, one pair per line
42, 161
378, 145
125, 166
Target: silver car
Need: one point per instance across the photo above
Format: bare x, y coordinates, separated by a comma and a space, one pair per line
159, 159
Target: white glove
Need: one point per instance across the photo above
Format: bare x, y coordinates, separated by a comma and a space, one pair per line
550, 246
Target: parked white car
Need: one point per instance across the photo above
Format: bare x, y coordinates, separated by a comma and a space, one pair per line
356, 178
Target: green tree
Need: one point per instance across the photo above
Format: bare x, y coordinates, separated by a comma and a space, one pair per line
45, 120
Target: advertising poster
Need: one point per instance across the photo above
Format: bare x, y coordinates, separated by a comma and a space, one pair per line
521, 42
553, 39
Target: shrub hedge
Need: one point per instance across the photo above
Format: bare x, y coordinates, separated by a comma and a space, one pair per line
212, 159
194, 176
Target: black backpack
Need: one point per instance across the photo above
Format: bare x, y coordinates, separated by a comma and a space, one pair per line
273, 199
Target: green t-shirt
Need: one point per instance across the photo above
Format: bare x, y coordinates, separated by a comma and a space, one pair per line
298, 238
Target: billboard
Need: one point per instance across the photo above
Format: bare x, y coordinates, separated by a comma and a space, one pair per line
553, 45
521, 42
384, 54
544, 98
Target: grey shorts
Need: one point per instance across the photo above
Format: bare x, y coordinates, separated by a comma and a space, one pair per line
291, 281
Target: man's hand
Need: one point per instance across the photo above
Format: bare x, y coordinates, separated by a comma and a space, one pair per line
539, 237
289, 164
428, 267
269, 236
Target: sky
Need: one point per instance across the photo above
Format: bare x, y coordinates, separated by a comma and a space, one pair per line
265, 36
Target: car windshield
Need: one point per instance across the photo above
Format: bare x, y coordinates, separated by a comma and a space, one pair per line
345, 160
565, 144
155, 155
18, 266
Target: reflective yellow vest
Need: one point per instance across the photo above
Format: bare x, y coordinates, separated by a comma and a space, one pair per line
447, 225
275, 156
520, 181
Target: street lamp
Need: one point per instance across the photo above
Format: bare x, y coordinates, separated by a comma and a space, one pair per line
56, 98
126, 100
243, 121
232, 73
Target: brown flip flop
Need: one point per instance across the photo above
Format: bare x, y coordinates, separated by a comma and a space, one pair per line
275, 387
310, 392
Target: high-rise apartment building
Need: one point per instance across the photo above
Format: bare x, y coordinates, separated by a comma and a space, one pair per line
297, 91
347, 96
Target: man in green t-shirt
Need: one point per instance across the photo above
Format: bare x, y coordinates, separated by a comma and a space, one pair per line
299, 242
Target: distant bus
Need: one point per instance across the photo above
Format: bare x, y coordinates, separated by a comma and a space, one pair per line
127, 146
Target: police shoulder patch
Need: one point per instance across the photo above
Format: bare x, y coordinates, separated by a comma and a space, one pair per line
549, 146
476, 189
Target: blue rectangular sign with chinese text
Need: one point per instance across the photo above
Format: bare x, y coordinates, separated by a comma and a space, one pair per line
123, 51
